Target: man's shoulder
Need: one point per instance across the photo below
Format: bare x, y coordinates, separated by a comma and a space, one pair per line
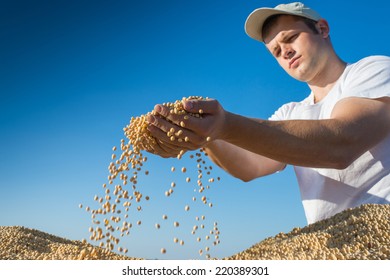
309, 100
368, 67
286, 111
372, 60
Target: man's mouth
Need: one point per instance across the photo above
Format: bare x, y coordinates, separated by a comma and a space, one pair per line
293, 62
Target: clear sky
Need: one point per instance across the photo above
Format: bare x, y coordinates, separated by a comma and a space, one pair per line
73, 73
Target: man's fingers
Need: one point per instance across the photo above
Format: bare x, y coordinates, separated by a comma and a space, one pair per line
161, 123
162, 110
196, 106
165, 112
186, 140
189, 129
164, 150
167, 131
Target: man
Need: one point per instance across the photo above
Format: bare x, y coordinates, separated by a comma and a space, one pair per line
337, 138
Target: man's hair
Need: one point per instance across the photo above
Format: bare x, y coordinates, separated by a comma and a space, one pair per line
273, 19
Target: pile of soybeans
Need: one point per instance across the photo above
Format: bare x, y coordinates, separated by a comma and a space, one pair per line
20, 243
361, 233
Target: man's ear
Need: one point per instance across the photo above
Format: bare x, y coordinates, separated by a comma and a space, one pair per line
323, 28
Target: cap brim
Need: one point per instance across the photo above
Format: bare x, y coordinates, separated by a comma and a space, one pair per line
254, 22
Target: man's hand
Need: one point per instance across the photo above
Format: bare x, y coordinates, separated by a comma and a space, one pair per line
177, 133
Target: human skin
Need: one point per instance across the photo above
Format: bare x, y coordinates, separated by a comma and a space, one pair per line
249, 148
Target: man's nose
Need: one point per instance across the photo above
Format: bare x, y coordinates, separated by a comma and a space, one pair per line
288, 52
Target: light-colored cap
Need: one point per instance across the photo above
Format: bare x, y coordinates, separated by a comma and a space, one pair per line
254, 22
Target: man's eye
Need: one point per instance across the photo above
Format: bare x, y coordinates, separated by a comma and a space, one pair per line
292, 38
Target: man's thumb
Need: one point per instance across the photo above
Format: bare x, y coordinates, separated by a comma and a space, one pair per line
190, 106
199, 106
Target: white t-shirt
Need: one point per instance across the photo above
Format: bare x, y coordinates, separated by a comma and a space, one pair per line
326, 191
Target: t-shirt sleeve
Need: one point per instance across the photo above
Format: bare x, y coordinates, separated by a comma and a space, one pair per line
369, 78
286, 111
278, 115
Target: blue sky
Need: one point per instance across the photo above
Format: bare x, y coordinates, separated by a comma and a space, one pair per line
72, 73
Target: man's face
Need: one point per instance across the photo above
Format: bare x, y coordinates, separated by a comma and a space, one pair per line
299, 51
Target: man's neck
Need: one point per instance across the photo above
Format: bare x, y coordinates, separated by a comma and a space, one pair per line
329, 76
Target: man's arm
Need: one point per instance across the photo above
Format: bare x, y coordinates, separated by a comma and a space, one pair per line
241, 163
235, 160
356, 125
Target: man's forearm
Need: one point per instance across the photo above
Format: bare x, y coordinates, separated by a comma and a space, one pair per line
239, 162
355, 126
297, 142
